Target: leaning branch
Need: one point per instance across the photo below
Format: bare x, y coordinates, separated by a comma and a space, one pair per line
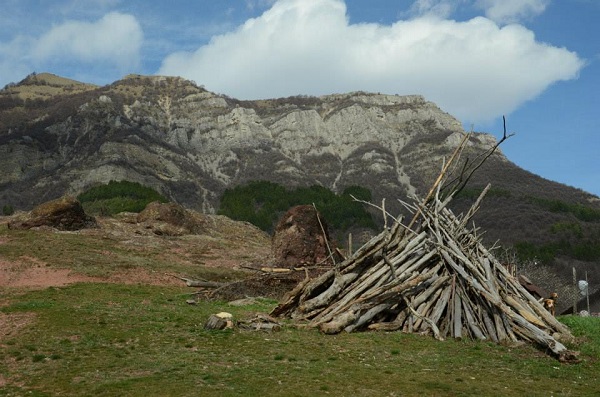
467, 172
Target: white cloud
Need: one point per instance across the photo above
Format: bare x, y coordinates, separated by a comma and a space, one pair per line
510, 11
13, 66
475, 70
115, 39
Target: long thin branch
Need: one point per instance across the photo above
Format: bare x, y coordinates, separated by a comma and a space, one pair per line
438, 180
325, 236
461, 181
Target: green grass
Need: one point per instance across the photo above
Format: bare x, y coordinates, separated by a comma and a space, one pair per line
108, 339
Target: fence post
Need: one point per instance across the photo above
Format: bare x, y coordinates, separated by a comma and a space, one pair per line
576, 290
349, 245
587, 293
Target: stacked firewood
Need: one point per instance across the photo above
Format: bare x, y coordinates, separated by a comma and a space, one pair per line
432, 276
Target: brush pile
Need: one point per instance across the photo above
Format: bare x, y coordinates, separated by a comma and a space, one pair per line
432, 276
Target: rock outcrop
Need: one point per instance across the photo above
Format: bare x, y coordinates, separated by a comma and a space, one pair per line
191, 144
65, 214
171, 219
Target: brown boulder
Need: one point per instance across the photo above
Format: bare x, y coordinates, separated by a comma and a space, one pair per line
65, 213
170, 219
299, 239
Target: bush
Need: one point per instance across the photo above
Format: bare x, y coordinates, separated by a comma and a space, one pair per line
116, 197
8, 210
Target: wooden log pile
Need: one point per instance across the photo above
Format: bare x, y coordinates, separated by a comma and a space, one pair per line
433, 276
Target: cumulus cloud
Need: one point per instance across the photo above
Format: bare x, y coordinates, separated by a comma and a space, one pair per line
13, 64
115, 39
476, 70
509, 11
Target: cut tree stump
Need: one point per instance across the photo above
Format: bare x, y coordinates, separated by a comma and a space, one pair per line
219, 321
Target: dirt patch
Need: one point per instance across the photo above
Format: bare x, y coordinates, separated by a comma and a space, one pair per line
33, 274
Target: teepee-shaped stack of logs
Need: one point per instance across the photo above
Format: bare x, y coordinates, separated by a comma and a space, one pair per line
432, 276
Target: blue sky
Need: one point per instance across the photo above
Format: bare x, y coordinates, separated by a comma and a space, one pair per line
535, 61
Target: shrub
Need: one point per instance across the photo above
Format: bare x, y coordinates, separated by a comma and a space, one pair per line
8, 210
116, 197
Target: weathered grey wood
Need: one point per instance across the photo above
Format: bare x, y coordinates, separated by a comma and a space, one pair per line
472, 322
367, 316
336, 326
457, 316
489, 326
434, 276
432, 325
334, 289
441, 305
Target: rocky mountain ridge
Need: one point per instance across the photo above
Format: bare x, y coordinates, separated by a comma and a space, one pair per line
190, 144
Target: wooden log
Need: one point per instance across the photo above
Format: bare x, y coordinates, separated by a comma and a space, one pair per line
290, 300
523, 311
432, 325
377, 296
499, 327
371, 280
366, 317
540, 336
316, 284
198, 283
509, 329
345, 298
204, 284
489, 326
330, 294
457, 316
545, 315
260, 322
438, 283
339, 323
472, 322
441, 305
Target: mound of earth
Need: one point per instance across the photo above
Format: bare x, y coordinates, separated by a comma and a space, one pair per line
301, 239
64, 214
171, 219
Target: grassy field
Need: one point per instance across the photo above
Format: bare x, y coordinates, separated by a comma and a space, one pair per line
135, 340
115, 339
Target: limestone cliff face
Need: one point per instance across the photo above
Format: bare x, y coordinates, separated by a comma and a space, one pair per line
191, 144
61, 137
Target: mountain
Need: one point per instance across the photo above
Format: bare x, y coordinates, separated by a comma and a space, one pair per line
58, 136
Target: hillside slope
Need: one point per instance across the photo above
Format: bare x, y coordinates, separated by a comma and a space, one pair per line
191, 144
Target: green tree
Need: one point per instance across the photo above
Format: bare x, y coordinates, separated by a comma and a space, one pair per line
262, 203
118, 196
7, 210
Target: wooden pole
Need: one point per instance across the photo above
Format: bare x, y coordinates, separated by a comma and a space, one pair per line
576, 290
587, 293
349, 245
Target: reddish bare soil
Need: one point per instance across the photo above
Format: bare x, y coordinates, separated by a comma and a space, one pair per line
31, 274
226, 244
